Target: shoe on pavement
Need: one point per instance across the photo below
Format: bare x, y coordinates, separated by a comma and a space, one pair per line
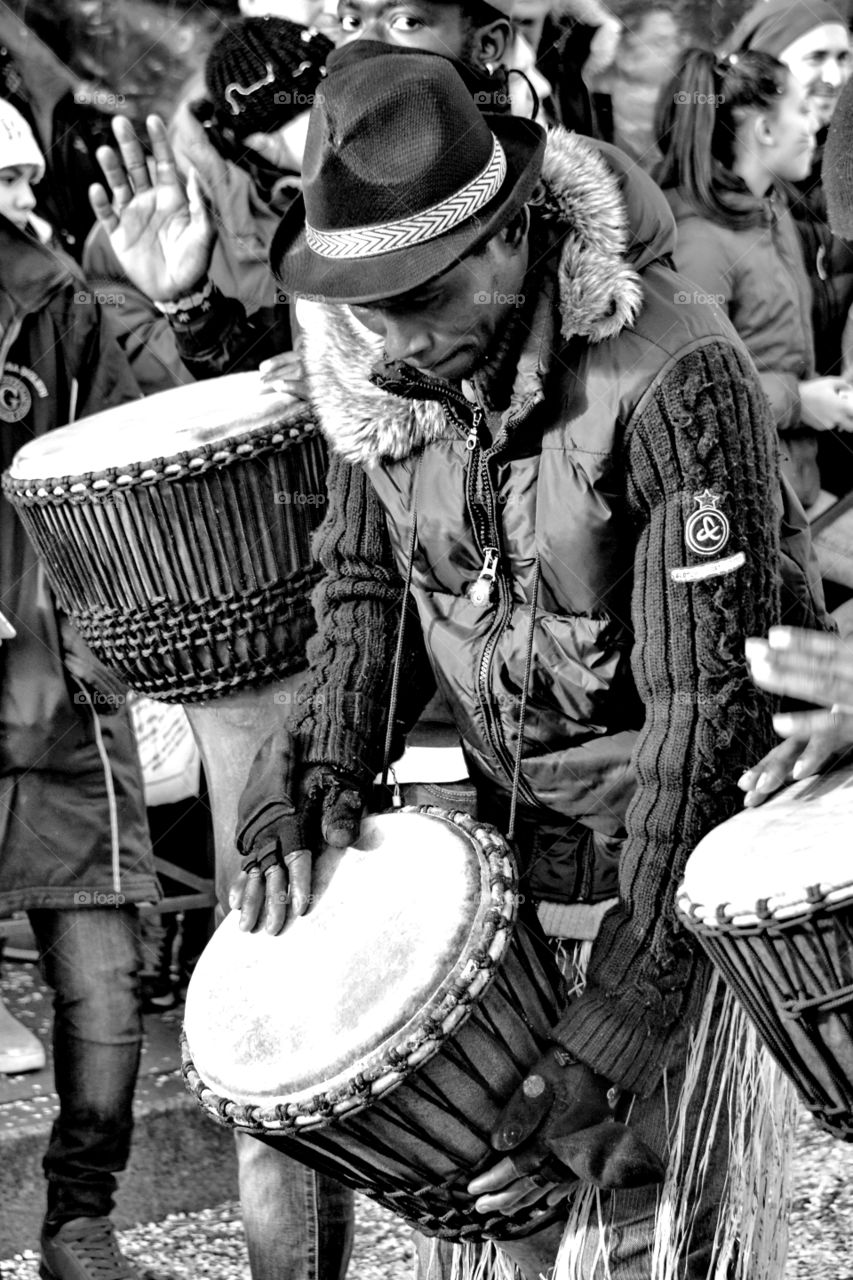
20, 1050
84, 1249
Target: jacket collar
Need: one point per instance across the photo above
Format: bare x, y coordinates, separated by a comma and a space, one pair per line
608, 221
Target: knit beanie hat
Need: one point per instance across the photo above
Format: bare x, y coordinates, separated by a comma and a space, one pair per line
17, 143
771, 25
837, 167
262, 72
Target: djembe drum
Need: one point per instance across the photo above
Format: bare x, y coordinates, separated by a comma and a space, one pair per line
417, 1006
769, 895
176, 534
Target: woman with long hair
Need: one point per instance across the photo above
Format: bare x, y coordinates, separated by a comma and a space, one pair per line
730, 131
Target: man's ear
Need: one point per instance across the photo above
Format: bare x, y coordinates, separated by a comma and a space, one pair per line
516, 231
490, 43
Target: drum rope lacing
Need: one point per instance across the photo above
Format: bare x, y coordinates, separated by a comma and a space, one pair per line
428, 1204
135, 599
102, 485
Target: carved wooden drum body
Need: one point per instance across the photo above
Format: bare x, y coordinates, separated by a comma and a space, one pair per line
380, 1035
769, 895
176, 533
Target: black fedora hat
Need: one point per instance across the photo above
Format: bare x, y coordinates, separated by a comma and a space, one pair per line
402, 176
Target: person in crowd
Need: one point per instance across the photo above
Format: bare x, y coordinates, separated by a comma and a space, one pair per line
813, 41
729, 132
239, 138
573, 41
216, 333
148, 215
509, 365
74, 846
217, 330
810, 666
242, 140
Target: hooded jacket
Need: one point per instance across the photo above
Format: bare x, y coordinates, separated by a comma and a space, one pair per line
56, 364
631, 418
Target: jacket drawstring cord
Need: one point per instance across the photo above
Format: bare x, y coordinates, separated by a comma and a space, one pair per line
398, 661
522, 710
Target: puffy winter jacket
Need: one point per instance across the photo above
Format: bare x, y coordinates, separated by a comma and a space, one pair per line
566, 527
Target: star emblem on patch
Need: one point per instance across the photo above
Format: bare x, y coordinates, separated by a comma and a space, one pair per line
707, 529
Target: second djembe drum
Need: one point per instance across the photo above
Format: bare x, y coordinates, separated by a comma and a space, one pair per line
769, 895
176, 532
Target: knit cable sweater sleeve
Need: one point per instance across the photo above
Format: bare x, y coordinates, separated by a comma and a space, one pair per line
704, 425
342, 708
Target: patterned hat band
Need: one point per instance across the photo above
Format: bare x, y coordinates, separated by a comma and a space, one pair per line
386, 237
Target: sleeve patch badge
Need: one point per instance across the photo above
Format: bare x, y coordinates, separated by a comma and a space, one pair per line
711, 569
707, 529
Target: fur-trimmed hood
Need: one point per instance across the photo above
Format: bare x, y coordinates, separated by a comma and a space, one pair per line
611, 220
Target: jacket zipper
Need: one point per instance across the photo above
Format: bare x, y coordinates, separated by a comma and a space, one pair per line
480, 499
485, 536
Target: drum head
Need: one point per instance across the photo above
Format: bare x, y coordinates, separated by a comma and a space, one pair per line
777, 860
160, 426
393, 923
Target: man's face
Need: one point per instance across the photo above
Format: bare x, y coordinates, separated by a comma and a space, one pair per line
820, 60
415, 24
447, 327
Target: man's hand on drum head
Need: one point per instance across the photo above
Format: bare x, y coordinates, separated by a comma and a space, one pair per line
811, 666
160, 231
285, 816
559, 1126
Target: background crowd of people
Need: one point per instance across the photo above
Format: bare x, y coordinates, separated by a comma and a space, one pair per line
719, 164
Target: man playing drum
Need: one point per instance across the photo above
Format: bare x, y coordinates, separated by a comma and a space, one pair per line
571, 467
214, 334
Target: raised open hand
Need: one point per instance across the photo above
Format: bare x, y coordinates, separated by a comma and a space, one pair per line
159, 230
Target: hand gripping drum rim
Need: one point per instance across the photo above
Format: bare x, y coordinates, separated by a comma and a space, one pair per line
371, 1127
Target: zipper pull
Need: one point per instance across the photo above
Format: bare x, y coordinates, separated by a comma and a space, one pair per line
473, 437
480, 591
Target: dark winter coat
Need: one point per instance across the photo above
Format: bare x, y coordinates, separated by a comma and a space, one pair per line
629, 412
56, 363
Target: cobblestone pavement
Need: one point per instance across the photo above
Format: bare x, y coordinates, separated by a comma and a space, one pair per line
210, 1243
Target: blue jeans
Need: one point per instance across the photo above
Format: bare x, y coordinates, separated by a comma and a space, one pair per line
299, 1224
90, 958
